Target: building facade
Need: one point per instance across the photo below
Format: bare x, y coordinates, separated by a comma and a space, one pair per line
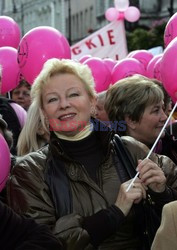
76, 19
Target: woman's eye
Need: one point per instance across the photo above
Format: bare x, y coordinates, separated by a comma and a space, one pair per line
156, 110
52, 99
73, 94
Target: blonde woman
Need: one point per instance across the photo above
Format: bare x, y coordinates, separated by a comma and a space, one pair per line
75, 183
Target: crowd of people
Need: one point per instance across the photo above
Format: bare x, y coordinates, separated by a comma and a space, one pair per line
67, 188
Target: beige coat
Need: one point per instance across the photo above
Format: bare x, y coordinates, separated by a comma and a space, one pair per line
166, 236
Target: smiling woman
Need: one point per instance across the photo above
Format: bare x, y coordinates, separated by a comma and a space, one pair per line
77, 184
66, 101
144, 104
138, 101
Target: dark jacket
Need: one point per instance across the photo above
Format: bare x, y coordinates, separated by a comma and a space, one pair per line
11, 119
169, 143
18, 232
30, 194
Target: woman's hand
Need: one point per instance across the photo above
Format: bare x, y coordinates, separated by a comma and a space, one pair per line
126, 199
151, 175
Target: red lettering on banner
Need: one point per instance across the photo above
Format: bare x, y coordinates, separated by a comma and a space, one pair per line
76, 50
110, 36
99, 43
101, 40
90, 44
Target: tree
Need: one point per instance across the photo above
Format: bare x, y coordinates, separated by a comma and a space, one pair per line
141, 38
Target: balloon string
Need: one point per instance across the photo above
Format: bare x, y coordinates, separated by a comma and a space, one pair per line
8, 95
150, 152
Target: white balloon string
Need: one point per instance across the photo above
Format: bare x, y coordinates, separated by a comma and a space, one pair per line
150, 152
171, 127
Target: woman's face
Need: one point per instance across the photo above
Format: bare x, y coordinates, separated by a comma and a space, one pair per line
21, 95
150, 125
66, 104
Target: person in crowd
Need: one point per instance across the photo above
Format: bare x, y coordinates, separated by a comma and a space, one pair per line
21, 94
100, 111
139, 101
18, 232
166, 236
9, 111
33, 135
75, 183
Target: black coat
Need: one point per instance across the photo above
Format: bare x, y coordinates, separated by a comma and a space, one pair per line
17, 232
11, 119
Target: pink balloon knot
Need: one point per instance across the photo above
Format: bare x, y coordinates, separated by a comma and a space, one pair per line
121, 15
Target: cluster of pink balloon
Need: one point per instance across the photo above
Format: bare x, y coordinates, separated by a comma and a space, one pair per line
112, 71
97, 65
35, 48
140, 62
163, 66
122, 10
136, 62
9, 40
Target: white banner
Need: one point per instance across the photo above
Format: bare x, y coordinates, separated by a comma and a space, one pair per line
110, 41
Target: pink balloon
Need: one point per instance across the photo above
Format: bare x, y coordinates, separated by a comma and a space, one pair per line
4, 162
143, 56
39, 45
132, 14
150, 66
20, 112
170, 30
110, 63
157, 70
9, 32
84, 58
10, 69
100, 72
169, 66
111, 14
132, 52
125, 68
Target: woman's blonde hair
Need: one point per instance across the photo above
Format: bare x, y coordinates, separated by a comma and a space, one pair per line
130, 97
30, 138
